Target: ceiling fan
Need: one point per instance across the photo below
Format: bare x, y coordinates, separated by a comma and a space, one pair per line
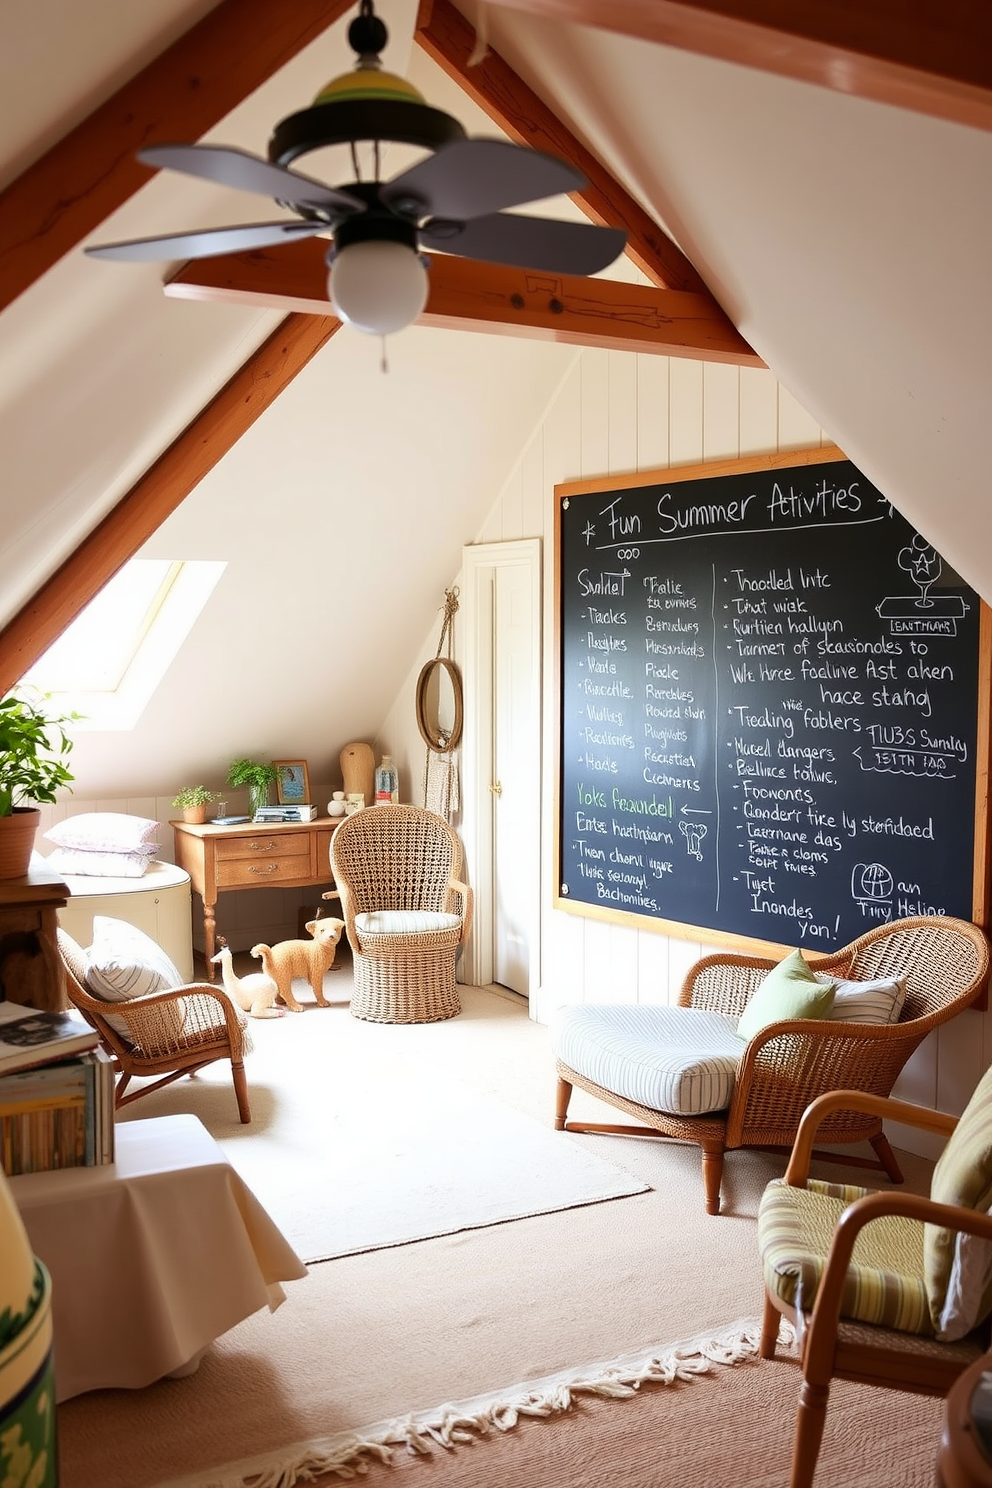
452, 200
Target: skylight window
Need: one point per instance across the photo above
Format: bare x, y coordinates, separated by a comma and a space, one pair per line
110, 660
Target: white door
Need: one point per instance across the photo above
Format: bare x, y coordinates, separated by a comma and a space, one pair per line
503, 781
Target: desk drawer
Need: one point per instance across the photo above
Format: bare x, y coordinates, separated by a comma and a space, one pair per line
267, 858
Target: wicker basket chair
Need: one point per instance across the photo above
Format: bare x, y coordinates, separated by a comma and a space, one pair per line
787, 1065
405, 909
169, 1034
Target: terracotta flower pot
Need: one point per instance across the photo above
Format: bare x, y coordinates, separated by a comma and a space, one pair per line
17, 834
195, 814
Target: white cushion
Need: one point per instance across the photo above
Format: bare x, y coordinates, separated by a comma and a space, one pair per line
106, 831
123, 962
404, 922
682, 1060
87, 864
878, 1001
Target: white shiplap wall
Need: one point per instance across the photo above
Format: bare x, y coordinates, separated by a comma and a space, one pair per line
614, 413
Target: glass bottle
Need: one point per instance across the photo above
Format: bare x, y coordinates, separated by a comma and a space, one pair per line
386, 782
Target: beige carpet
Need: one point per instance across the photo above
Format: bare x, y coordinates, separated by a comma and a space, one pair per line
369, 1337
366, 1135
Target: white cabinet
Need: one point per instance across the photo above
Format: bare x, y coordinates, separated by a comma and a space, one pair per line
158, 903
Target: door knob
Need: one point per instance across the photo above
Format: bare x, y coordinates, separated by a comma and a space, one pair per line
496, 789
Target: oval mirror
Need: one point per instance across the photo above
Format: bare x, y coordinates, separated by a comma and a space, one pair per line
439, 705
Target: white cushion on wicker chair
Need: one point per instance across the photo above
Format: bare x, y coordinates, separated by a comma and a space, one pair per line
682, 1060
405, 922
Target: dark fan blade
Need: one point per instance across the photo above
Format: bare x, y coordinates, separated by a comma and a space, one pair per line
206, 244
477, 176
528, 242
229, 167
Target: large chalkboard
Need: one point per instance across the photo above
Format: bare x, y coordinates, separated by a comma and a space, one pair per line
771, 694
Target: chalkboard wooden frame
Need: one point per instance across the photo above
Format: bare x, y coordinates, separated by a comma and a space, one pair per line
711, 934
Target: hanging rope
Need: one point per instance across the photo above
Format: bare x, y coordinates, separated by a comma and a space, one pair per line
440, 770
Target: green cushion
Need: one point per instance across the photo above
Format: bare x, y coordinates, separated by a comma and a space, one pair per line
956, 1268
790, 990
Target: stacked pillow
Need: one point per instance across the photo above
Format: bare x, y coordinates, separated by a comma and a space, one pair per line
103, 844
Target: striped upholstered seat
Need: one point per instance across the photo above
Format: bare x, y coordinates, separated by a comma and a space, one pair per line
681, 1060
884, 1283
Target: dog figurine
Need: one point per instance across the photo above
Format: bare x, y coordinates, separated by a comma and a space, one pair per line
302, 958
255, 994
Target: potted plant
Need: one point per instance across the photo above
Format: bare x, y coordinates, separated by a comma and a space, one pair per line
193, 801
33, 751
258, 779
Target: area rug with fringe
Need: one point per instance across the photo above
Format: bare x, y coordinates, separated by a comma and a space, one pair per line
459, 1423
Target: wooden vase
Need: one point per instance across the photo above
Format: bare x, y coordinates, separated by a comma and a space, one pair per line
358, 770
17, 834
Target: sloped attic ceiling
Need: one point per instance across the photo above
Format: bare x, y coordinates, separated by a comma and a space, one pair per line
847, 239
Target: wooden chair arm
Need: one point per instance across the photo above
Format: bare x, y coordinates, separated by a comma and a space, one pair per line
797, 1171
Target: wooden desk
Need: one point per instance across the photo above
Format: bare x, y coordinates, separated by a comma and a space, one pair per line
285, 855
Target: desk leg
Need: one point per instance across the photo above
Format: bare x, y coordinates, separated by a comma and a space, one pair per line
209, 932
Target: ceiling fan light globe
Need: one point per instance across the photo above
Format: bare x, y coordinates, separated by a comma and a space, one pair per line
377, 287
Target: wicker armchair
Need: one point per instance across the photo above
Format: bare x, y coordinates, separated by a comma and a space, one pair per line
787, 1065
405, 909
169, 1034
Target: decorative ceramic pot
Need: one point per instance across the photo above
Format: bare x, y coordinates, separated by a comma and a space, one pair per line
27, 1372
17, 834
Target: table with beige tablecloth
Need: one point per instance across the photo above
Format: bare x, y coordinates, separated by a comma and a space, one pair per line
152, 1256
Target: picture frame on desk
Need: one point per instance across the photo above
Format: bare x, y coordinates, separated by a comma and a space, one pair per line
292, 782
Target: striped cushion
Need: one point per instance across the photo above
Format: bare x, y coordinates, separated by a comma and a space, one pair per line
123, 962
884, 1284
879, 1001
404, 922
681, 1060
959, 1267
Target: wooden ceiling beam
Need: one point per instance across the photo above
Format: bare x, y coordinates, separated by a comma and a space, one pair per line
467, 295
448, 38
931, 56
155, 496
61, 198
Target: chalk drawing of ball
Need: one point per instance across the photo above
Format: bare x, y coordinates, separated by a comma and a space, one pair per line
871, 881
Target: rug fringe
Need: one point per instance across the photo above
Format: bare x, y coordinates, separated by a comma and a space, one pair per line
347, 1454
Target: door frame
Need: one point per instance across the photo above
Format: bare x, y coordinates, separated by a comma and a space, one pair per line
479, 562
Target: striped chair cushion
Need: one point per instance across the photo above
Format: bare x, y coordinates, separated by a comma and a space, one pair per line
404, 922
884, 1283
680, 1060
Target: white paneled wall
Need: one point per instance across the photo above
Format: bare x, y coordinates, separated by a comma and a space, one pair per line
614, 413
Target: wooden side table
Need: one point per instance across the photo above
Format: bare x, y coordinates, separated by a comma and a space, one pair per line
965, 1456
30, 965
284, 855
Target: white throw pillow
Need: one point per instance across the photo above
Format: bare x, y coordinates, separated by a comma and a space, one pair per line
123, 962
106, 831
878, 1001
73, 860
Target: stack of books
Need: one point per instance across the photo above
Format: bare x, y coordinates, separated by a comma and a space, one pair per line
297, 812
56, 1092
